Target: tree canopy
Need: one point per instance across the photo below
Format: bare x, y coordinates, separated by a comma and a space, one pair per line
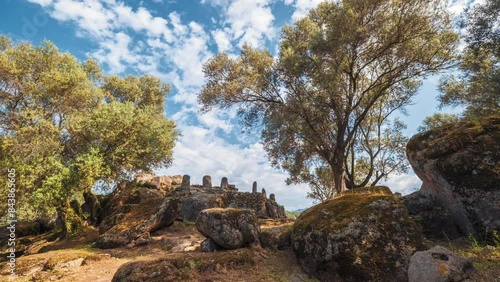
477, 87
64, 125
340, 73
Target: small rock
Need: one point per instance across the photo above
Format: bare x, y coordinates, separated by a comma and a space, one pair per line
208, 246
438, 265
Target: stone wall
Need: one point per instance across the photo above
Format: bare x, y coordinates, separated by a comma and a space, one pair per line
206, 195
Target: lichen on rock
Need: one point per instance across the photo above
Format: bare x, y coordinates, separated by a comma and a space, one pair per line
459, 165
365, 235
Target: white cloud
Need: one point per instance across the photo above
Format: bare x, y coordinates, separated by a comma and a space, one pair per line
403, 183
222, 40
244, 21
116, 54
458, 6
42, 3
90, 15
302, 7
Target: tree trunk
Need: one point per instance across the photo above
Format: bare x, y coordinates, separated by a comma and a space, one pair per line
339, 177
62, 219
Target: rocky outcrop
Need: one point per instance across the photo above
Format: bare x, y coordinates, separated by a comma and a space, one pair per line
133, 213
365, 235
164, 183
137, 208
91, 208
459, 165
229, 228
438, 265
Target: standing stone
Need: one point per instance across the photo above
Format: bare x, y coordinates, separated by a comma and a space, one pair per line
254, 187
186, 182
272, 197
264, 193
207, 181
224, 184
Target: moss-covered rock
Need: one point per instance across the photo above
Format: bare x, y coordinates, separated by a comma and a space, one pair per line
133, 213
229, 228
365, 235
179, 267
459, 165
276, 237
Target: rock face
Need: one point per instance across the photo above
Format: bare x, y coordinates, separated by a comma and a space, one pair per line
91, 208
164, 183
365, 235
132, 213
229, 228
276, 237
193, 204
438, 265
459, 165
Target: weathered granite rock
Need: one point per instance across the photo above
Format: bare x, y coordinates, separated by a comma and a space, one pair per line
435, 220
164, 183
186, 182
229, 228
438, 265
133, 213
459, 165
153, 271
208, 245
364, 235
263, 207
192, 205
272, 197
91, 208
207, 182
224, 184
276, 237
173, 268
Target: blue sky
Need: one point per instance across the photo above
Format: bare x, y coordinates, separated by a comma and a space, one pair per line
171, 40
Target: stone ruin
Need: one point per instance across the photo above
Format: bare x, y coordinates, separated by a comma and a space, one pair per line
200, 197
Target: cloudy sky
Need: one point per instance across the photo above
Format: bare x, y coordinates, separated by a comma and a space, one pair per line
171, 39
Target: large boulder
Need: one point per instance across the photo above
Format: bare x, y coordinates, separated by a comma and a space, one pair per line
364, 235
438, 265
200, 200
229, 228
459, 165
132, 213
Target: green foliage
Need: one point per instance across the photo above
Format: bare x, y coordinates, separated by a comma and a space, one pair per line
478, 86
63, 126
292, 215
339, 75
437, 120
